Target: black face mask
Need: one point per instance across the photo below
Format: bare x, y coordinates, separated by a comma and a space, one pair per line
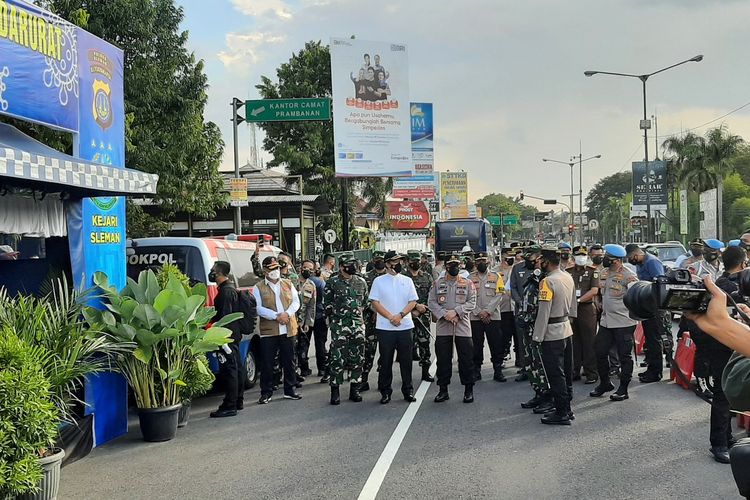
530, 264
453, 270
379, 265
710, 257
398, 268
414, 266
633, 261
510, 261
597, 260
564, 256
696, 252
212, 277
607, 261
317, 272
482, 267
306, 273
350, 269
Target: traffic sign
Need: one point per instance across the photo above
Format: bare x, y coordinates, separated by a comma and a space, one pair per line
593, 224
494, 220
367, 241
510, 220
330, 236
288, 110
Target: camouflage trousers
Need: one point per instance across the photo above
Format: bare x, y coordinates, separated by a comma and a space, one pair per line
347, 352
371, 346
535, 368
422, 339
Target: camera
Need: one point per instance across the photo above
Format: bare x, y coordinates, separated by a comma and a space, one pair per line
673, 291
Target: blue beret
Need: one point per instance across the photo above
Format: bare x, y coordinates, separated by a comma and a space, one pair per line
565, 245
733, 243
615, 250
713, 244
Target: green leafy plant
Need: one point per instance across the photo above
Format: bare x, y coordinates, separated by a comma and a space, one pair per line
198, 378
168, 328
28, 419
167, 271
65, 347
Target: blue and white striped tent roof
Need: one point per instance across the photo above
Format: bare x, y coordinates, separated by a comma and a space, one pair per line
27, 163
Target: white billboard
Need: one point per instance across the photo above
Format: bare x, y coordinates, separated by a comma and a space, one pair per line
371, 115
708, 212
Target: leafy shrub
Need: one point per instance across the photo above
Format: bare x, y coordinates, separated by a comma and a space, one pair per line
28, 419
168, 271
198, 380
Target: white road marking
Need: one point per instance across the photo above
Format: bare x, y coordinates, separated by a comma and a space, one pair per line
377, 475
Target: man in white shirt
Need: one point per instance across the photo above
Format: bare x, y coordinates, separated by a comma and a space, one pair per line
393, 296
278, 301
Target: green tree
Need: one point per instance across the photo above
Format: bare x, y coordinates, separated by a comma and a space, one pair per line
718, 155
165, 97
497, 203
613, 186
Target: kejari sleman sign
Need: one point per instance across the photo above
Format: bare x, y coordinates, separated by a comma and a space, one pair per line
371, 118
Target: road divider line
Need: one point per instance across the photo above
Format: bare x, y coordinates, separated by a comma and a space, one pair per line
377, 475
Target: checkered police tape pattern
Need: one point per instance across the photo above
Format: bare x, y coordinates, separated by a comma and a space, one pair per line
22, 165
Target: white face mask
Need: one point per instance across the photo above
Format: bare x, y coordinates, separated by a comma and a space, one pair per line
581, 260
274, 275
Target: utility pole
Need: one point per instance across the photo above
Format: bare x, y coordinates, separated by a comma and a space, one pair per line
344, 214
236, 120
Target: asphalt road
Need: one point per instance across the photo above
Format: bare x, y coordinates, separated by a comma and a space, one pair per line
654, 445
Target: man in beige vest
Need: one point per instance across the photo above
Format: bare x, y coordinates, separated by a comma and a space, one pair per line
278, 302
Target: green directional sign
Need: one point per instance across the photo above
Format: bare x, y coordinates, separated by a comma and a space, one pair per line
288, 110
494, 220
510, 220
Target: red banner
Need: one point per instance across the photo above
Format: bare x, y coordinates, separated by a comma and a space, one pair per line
407, 214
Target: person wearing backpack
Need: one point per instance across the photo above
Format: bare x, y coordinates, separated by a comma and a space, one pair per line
232, 370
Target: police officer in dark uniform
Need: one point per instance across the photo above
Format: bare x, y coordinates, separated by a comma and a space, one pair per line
586, 280
516, 283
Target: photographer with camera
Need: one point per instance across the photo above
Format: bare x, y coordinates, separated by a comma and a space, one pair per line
615, 326
657, 330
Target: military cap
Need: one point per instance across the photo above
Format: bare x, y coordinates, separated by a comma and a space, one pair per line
270, 263
346, 257
414, 254
468, 253
378, 254
580, 250
734, 243
549, 251
507, 250
713, 244
616, 251
480, 256
535, 248
563, 245
426, 254
697, 242
452, 259
392, 255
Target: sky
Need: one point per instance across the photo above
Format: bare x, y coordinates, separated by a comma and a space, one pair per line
506, 77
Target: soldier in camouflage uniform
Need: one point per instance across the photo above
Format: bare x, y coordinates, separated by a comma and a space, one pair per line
344, 299
422, 282
371, 340
542, 401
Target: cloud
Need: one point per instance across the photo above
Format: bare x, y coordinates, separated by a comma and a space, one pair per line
244, 49
259, 8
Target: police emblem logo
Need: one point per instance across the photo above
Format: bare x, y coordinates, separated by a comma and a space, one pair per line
441, 299
458, 231
102, 105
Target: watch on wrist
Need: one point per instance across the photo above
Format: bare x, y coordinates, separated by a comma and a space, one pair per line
402, 314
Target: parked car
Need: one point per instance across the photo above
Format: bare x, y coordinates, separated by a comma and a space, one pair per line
666, 252
195, 257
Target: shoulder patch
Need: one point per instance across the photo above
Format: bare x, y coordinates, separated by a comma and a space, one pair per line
595, 275
545, 292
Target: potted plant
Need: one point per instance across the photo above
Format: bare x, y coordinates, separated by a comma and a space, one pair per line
168, 327
198, 381
28, 423
64, 349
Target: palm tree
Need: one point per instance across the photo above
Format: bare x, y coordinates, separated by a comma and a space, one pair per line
719, 152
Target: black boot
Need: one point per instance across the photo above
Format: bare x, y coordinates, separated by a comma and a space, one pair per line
442, 395
469, 393
354, 394
426, 374
547, 405
499, 377
335, 395
600, 389
621, 394
365, 385
532, 403
557, 419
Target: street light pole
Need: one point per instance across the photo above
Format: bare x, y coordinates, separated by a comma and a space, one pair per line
646, 124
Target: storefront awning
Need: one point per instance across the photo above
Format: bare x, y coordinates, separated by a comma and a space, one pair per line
27, 163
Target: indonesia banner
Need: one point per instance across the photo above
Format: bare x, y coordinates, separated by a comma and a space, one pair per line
371, 115
407, 214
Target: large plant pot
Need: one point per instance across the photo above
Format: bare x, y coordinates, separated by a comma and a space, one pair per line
50, 477
159, 424
184, 414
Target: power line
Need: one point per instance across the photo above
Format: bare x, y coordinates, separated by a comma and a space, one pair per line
707, 123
